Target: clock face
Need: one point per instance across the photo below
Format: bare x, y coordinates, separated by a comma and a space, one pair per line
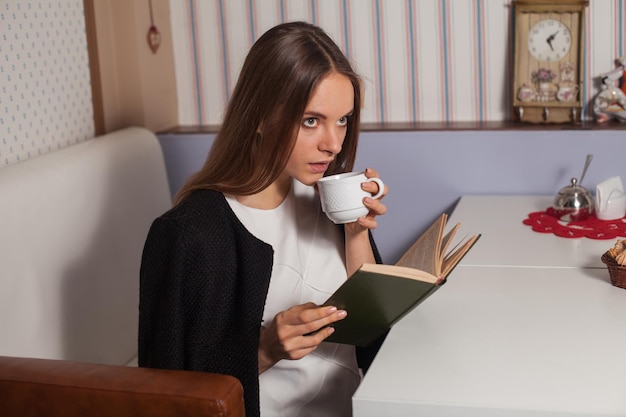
549, 40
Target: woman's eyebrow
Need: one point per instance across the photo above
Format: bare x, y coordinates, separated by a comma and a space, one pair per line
312, 113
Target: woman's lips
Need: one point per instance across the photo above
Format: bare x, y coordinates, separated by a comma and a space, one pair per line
319, 167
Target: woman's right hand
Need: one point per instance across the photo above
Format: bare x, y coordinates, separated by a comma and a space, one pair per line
295, 333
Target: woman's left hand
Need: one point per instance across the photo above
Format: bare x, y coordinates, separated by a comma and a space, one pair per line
376, 207
358, 246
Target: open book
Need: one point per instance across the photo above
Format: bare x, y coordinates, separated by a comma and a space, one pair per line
378, 295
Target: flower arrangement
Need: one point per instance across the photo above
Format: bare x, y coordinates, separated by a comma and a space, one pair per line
543, 75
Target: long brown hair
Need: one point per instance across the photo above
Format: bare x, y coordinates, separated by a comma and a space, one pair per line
262, 118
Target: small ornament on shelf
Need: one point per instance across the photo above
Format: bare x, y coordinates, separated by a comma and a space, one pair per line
610, 103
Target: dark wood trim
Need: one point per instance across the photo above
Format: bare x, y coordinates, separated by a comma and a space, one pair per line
94, 67
501, 125
436, 126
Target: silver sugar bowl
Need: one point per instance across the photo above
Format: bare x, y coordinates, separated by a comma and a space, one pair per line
573, 203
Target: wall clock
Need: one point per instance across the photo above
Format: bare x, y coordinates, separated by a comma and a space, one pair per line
548, 60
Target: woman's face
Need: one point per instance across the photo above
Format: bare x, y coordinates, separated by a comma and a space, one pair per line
322, 129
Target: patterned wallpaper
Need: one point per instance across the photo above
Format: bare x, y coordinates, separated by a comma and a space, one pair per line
422, 60
45, 92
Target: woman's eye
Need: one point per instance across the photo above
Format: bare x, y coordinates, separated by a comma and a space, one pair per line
311, 122
343, 121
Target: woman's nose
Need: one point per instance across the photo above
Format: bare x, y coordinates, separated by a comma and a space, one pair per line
332, 141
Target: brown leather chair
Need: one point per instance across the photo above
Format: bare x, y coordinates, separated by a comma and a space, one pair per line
56, 388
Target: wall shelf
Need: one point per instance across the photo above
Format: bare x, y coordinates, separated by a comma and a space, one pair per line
436, 126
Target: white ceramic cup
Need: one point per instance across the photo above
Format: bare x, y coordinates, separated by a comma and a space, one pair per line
342, 197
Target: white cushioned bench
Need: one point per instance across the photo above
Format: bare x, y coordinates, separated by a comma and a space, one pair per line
72, 228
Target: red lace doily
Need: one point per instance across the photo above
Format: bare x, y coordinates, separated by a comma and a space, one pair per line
591, 227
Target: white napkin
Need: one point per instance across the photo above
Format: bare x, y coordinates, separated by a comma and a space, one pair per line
610, 199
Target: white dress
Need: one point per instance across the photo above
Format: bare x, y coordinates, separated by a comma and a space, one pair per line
309, 265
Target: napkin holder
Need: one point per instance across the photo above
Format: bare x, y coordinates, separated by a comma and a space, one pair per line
610, 199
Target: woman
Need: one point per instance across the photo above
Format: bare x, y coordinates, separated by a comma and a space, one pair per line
232, 277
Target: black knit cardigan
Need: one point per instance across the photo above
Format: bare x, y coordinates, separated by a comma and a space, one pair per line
203, 283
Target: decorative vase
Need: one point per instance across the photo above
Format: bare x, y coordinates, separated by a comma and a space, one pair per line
544, 87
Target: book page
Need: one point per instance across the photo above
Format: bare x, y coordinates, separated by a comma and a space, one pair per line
456, 254
445, 242
425, 254
400, 271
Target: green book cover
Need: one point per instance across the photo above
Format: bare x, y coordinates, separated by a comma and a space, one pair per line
374, 302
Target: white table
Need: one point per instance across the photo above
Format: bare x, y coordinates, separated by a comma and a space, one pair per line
506, 241
506, 337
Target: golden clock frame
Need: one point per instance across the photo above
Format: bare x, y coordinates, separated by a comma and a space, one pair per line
530, 104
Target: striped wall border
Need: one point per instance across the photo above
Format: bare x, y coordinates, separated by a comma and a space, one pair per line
438, 88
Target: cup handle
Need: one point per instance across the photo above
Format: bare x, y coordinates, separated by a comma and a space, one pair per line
381, 187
